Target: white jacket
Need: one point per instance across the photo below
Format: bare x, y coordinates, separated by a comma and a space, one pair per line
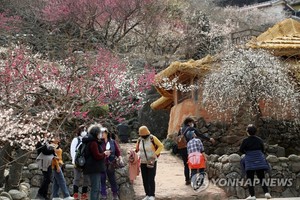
74, 146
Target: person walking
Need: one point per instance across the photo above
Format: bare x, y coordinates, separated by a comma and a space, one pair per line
95, 156
149, 147
76, 142
189, 126
195, 148
45, 155
59, 181
196, 160
110, 145
254, 161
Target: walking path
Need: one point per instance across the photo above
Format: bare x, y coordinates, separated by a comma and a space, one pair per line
170, 181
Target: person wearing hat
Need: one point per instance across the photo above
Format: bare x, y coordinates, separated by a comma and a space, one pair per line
254, 161
149, 147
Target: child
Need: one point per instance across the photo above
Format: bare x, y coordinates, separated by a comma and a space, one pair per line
59, 181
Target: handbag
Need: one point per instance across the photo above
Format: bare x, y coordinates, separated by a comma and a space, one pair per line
150, 163
115, 164
180, 140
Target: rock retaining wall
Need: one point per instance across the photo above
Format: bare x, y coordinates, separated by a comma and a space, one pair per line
32, 179
229, 137
284, 178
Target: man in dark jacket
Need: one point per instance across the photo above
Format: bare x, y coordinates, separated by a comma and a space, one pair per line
254, 161
94, 160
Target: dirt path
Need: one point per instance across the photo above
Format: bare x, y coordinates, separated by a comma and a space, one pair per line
170, 182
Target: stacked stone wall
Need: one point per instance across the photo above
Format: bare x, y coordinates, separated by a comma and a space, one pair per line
283, 179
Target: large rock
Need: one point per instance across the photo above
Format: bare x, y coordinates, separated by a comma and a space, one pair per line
5, 196
156, 120
126, 191
17, 195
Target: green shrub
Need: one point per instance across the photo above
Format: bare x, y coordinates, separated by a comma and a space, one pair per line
169, 143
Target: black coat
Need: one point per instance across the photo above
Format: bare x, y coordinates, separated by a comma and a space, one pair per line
94, 162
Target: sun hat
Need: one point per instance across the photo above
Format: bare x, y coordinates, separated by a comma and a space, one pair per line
143, 131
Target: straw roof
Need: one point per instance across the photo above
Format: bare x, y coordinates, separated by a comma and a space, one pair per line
162, 103
191, 67
283, 39
184, 71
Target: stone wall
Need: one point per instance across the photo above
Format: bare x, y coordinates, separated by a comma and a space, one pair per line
32, 179
284, 135
33, 176
284, 178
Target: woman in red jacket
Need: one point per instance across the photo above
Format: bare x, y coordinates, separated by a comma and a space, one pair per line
94, 160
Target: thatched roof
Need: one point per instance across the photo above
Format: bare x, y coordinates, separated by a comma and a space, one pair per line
183, 71
162, 103
283, 39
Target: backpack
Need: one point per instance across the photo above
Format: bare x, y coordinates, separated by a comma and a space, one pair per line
80, 156
196, 160
181, 140
152, 140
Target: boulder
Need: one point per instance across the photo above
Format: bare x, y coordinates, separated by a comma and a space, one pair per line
5, 196
156, 120
17, 195
234, 158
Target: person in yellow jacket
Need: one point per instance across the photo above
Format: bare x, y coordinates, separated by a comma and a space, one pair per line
59, 181
149, 148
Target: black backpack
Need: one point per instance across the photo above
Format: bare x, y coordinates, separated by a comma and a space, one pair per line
80, 156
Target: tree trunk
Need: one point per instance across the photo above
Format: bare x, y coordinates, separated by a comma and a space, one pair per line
16, 168
5, 157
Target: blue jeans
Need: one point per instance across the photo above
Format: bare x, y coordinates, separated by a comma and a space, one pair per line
95, 186
59, 182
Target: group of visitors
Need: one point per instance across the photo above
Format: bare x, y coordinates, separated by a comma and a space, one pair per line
101, 154
192, 153
102, 151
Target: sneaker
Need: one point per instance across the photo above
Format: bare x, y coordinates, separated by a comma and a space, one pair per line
268, 196
84, 196
187, 182
76, 196
146, 198
69, 198
151, 198
251, 198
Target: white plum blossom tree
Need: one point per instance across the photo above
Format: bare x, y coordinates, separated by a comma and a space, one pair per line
252, 78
